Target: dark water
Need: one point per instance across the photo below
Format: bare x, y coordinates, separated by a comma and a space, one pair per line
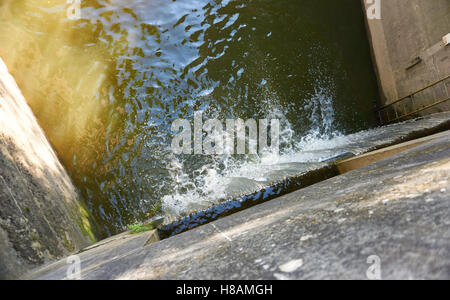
106, 89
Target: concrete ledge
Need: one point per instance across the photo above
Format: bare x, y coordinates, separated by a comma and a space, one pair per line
360, 161
125, 243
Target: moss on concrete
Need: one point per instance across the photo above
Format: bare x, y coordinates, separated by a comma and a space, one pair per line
139, 228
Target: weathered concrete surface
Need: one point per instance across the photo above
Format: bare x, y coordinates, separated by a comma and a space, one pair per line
360, 161
41, 216
409, 29
397, 209
126, 242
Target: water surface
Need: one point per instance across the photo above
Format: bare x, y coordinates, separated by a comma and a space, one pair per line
106, 89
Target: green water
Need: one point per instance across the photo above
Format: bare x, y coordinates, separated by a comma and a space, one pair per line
107, 87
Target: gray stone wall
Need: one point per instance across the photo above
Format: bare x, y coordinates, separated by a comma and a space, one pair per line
42, 217
409, 29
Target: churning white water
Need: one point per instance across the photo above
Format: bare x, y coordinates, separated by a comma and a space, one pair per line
229, 176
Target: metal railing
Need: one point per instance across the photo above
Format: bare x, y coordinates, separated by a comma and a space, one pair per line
399, 110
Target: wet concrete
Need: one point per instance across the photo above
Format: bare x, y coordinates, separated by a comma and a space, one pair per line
396, 209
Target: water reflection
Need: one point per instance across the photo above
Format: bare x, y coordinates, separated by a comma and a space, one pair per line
107, 87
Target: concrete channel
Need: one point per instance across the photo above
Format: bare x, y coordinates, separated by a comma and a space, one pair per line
384, 194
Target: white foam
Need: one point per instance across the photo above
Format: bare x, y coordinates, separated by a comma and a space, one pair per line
209, 184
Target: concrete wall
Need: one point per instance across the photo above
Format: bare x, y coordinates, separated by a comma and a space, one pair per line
41, 215
409, 29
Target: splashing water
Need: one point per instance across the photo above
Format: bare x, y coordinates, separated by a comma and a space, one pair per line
107, 87
226, 177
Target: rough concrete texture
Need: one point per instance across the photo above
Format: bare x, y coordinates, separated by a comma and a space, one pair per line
409, 29
41, 217
397, 209
360, 161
